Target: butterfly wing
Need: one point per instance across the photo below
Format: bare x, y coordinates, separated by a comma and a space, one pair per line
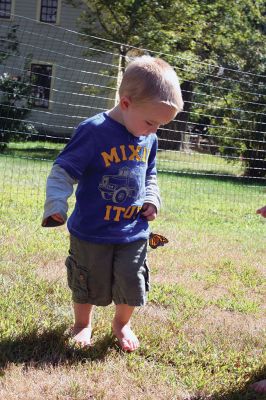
156, 240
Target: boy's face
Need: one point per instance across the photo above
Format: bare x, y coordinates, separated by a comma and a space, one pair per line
142, 119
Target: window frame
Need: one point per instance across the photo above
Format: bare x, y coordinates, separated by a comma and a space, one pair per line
50, 98
58, 13
11, 16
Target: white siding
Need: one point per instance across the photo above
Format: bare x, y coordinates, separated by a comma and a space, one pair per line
56, 45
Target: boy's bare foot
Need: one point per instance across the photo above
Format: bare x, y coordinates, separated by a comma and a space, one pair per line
260, 386
128, 341
82, 336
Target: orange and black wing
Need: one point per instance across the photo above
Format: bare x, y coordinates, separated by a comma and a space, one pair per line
156, 240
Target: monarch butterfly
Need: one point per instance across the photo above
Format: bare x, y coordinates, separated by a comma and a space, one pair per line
156, 240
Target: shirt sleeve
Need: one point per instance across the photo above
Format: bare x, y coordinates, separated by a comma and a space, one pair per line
59, 188
152, 188
78, 153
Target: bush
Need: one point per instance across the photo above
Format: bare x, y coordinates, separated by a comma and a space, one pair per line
15, 105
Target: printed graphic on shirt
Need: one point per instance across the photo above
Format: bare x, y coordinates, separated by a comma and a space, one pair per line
115, 213
121, 186
125, 153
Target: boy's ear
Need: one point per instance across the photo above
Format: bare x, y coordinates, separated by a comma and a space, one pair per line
125, 102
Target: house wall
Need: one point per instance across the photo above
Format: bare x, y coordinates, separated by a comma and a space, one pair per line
59, 45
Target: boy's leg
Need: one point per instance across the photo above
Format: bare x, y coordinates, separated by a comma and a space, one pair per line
82, 326
121, 327
130, 284
87, 265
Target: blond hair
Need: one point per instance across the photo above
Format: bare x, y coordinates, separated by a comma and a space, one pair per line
147, 78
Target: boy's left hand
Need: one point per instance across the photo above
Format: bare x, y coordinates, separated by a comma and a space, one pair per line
149, 211
262, 211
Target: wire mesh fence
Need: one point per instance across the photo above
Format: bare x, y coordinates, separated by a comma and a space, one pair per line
207, 284
211, 159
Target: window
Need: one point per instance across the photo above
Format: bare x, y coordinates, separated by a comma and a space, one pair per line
5, 9
49, 9
41, 75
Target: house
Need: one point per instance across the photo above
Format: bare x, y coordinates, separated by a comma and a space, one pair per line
68, 83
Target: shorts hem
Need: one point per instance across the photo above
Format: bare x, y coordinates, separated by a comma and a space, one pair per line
131, 302
103, 303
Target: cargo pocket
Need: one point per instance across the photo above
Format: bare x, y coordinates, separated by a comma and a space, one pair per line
147, 276
77, 279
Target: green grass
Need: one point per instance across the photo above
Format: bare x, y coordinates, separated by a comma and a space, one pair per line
198, 163
34, 150
203, 331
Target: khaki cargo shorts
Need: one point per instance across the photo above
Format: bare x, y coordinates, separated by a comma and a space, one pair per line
101, 273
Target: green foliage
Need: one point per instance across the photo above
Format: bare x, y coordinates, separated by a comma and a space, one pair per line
232, 85
201, 39
14, 107
130, 22
15, 96
8, 44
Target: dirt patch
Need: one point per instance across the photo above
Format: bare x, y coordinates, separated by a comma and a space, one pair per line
52, 270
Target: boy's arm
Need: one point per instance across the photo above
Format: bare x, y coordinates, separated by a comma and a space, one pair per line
59, 188
152, 189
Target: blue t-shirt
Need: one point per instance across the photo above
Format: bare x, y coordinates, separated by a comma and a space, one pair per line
111, 166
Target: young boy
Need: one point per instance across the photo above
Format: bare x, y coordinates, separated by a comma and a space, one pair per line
112, 158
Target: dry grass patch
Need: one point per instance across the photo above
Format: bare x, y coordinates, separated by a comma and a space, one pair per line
230, 325
197, 251
154, 313
53, 270
120, 377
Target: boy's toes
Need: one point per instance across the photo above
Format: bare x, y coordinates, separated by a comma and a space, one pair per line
125, 345
127, 340
128, 345
81, 337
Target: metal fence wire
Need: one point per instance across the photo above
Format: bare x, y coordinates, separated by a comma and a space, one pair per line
211, 160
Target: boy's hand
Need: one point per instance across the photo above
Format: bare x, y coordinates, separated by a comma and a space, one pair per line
262, 211
53, 220
149, 211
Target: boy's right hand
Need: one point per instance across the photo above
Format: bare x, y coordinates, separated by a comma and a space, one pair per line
53, 220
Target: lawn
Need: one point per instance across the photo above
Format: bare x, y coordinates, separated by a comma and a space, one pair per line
203, 330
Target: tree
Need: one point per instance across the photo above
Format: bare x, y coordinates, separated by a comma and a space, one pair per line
133, 23
218, 49
8, 44
235, 93
137, 25
14, 107
15, 96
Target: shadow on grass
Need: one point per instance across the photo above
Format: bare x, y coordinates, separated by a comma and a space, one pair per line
51, 348
38, 153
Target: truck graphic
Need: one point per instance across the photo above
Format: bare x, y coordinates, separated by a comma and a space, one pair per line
119, 187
